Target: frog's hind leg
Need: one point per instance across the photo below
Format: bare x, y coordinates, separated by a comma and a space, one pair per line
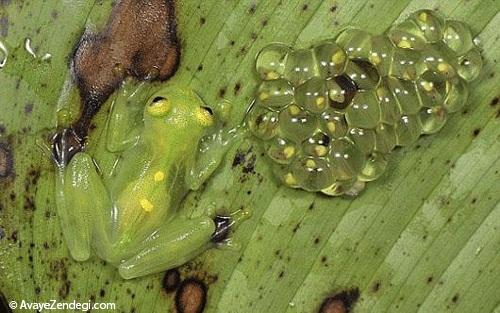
170, 246
179, 241
80, 197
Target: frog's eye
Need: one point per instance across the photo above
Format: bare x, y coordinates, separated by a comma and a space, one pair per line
159, 106
204, 116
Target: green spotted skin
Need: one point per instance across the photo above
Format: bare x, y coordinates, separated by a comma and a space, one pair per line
330, 115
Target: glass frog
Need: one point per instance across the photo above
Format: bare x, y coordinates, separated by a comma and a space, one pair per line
130, 217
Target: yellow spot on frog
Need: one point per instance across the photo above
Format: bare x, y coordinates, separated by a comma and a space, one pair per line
159, 107
289, 152
203, 117
146, 205
159, 176
290, 180
338, 57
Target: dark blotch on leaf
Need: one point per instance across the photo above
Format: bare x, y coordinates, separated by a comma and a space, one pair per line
191, 296
476, 132
4, 306
139, 40
341, 302
6, 161
171, 280
494, 102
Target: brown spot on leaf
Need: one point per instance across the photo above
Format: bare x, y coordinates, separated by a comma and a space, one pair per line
6, 161
476, 132
4, 306
171, 280
4, 26
191, 296
494, 102
139, 40
342, 302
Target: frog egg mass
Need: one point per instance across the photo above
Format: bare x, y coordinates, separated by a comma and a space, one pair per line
329, 116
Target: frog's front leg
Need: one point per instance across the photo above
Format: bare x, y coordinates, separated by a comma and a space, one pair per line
81, 198
125, 120
179, 241
213, 147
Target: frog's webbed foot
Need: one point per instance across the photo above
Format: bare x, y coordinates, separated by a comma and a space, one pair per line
224, 224
65, 144
179, 241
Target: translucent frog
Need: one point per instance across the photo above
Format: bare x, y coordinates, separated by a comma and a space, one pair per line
130, 217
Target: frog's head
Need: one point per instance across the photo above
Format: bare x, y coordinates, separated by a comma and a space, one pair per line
178, 108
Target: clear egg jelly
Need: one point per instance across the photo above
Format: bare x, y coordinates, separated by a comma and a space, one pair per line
328, 116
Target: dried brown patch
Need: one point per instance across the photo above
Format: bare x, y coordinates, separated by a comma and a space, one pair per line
171, 280
191, 296
342, 302
139, 40
6, 161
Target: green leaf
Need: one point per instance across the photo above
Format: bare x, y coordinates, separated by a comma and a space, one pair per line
425, 237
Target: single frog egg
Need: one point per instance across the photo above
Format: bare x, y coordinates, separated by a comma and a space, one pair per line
363, 74
285, 175
375, 166
312, 95
364, 111
297, 124
389, 108
270, 62
406, 64
341, 90
432, 119
275, 94
313, 174
300, 66
457, 93
339, 187
331, 59
281, 150
381, 54
458, 37
407, 35
263, 123
470, 65
408, 130
355, 42
333, 123
430, 23
406, 95
385, 138
317, 145
364, 139
431, 89
346, 159
439, 60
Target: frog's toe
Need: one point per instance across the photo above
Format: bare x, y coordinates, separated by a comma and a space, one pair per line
65, 144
